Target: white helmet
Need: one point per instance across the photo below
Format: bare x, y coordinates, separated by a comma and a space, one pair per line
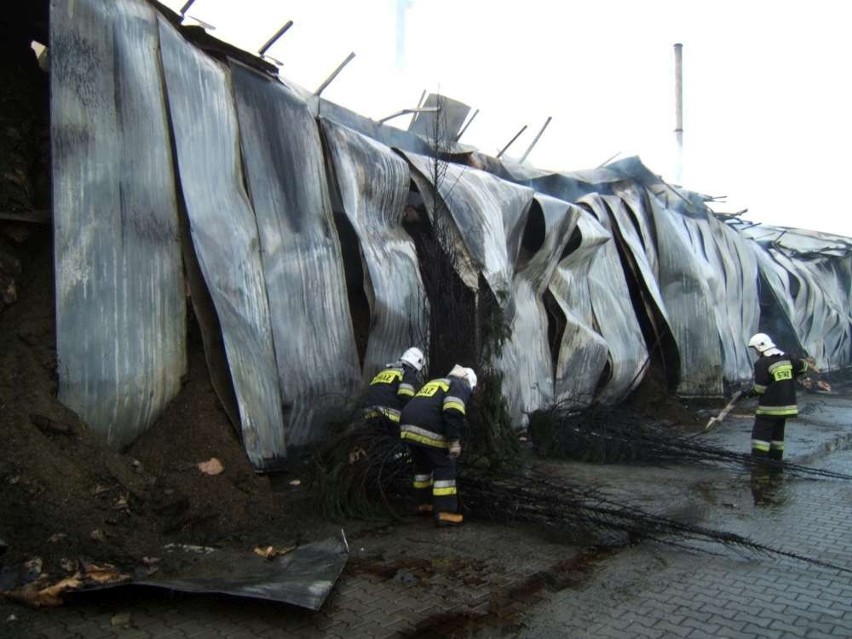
464, 373
471, 378
761, 342
414, 357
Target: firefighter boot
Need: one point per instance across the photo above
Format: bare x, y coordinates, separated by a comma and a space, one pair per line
448, 520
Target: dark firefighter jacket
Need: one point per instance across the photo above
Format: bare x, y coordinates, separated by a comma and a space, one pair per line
436, 414
390, 390
775, 385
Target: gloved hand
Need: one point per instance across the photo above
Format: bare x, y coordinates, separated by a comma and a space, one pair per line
454, 449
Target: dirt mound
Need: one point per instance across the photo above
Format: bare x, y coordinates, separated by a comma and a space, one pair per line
64, 495
652, 400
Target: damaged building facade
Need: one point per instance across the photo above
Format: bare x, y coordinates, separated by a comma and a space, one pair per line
305, 240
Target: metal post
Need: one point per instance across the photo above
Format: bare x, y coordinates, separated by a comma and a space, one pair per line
407, 111
517, 135
608, 160
329, 79
678, 53
420, 103
274, 38
467, 124
535, 140
422, 99
185, 8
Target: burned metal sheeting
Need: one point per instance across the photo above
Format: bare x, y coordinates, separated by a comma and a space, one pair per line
527, 358
489, 217
809, 280
372, 186
583, 354
120, 308
632, 234
225, 236
388, 135
303, 577
29, 585
705, 276
444, 124
647, 267
488, 214
697, 287
706, 282
317, 362
614, 315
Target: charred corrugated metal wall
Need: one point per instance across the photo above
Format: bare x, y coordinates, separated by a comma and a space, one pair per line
321, 244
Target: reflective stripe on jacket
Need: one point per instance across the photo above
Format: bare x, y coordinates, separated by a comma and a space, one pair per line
390, 389
436, 414
774, 383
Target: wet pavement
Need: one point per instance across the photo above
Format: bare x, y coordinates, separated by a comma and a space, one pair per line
483, 580
654, 591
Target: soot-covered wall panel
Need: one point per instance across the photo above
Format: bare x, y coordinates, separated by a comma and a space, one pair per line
487, 213
583, 354
372, 182
526, 358
120, 306
615, 317
691, 289
225, 236
318, 366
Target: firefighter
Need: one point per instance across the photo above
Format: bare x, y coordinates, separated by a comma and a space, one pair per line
775, 386
431, 425
392, 388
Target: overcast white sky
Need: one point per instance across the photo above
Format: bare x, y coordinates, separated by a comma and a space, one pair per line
767, 96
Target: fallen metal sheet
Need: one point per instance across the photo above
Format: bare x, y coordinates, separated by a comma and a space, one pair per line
526, 360
317, 359
225, 237
303, 577
120, 305
372, 183
583, 352
27, 584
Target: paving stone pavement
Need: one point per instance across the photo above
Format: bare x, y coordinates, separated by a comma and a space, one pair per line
653, 591
657, 591
490, 581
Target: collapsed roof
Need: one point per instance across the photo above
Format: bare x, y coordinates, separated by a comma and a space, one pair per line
180, 164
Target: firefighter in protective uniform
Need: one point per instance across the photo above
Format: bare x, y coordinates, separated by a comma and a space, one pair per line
431, 425
392, 387
775, 386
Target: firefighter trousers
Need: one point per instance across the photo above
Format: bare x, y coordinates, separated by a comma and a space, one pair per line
435, 484
767, 437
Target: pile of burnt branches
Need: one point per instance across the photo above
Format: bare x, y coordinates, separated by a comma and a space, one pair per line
588, 516
363, 473
617, 434
366, 473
